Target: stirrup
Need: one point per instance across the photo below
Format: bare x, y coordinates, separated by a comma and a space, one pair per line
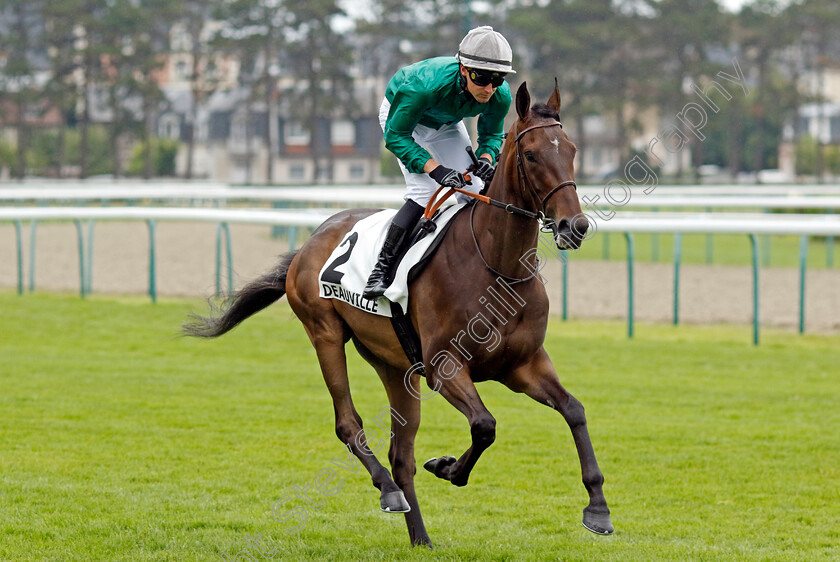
427, 224
375, 288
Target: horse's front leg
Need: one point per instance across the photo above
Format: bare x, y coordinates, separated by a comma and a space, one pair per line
461, 393
538, 379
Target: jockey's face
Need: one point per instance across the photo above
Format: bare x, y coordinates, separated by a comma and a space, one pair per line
482, 94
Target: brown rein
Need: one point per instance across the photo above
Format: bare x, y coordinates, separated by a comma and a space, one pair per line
435, 203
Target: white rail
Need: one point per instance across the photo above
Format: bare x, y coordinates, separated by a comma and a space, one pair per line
722, 223
625, 222
771, 197
302, 217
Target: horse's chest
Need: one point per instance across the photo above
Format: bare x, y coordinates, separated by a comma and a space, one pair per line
492, 340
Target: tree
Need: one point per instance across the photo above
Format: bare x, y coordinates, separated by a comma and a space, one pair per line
253, 33
21, 43
195, 16
817, 22
89, 49
686, 32
321, 59
573, 41
149, 49
61, 90
762, 31
118, 76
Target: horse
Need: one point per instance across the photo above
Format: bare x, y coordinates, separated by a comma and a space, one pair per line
534, 178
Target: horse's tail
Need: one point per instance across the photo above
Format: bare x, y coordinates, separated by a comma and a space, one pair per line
252, 298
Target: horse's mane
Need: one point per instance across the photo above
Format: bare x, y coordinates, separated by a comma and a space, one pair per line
543, 110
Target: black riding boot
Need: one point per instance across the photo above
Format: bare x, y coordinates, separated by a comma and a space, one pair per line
395, 242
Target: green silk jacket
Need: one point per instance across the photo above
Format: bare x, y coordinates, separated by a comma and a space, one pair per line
430, 93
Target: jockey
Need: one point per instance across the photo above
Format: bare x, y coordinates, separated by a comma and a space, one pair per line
421, 117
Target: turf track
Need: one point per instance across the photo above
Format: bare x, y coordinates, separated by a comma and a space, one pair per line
121, 441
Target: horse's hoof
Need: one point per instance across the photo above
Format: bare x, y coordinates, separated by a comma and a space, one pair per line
440, 466
598, 523
422, 541
394, 502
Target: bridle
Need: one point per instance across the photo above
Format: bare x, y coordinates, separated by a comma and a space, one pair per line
546, 224
523, 175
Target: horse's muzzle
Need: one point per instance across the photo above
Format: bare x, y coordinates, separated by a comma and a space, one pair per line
569, 233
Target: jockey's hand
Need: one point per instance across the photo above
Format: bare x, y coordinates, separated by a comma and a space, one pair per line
485, 169
447, 177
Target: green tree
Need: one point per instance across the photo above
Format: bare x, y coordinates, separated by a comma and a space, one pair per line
195, 15
817, 22
762, 32
254, 32
320, 58
61, 90
683, 36
149, 49
119, 76
592, 48
21, 42
90, 49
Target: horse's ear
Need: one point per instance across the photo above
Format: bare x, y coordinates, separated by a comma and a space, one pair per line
523, 100
554, 100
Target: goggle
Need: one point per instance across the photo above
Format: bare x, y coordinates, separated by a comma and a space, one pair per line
483, 77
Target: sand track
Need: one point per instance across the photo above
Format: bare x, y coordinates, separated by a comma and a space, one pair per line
185, 259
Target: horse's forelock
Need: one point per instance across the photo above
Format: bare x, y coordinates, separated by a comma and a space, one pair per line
543, 110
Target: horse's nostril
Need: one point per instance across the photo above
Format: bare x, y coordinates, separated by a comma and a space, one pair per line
580, 224
565, 236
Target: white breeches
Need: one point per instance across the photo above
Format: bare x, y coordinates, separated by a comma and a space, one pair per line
447, 146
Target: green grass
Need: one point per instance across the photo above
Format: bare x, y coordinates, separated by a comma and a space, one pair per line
726, 249
121, 441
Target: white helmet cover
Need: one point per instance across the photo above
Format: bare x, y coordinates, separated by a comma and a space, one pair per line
486, 49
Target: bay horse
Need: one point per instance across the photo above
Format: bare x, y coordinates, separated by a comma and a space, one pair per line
483, 247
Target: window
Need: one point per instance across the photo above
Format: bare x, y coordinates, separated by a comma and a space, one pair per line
295, 134
834, 128
181, 40
324, 172
357, 171
297, 172
182, 70
239, 128
169, 127
342, 133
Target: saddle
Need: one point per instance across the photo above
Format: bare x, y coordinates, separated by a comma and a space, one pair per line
345, 273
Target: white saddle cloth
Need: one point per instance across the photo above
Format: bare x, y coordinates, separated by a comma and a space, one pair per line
346, 272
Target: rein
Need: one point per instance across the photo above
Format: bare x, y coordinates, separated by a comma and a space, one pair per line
545, 223
434, 203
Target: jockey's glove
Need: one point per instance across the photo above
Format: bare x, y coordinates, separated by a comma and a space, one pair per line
447, 177
485, 169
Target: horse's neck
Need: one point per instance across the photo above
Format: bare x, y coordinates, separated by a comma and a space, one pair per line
506, 239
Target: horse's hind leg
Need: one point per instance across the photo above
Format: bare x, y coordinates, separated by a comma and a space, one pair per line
539, 381
401, 453
328, 337
405, 420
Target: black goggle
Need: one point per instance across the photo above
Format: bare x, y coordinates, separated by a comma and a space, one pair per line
483, 77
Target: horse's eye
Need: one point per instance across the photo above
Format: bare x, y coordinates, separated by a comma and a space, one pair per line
529, 156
